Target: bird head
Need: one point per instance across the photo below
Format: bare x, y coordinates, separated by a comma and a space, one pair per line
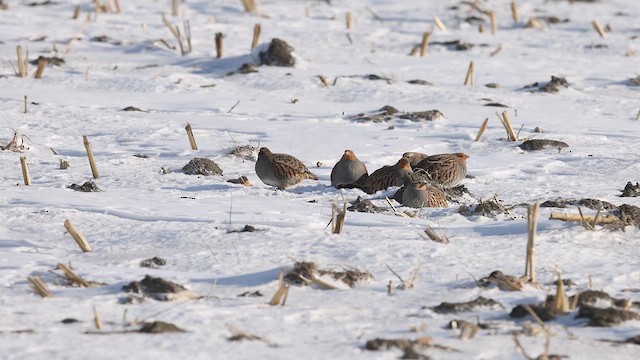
349, 155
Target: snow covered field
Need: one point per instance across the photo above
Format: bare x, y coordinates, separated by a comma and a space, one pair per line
142, 212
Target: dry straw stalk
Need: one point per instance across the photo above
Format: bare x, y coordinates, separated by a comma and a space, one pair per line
600, 219
599, 28
532, 221
337, 218
482, 129
280, 297
72, 276
514, 12
250, 6
494, 22
425, 43
505, 119
39, 286
25, 171
175, 7
470, 79
97, 319
92, 159
440, 24
219, 45
42, 64
77, 236
257, 29
192, 139
349, 20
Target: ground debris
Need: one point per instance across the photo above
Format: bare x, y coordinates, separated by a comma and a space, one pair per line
153, 262
606, 317
388, 113
202, 166
593, 204
256, 293
159, 289
504, 282
631, 190
279, 53
489, 208
245, 152
88, 186
542, 144
106, 39
552, 86
545, 313
419, 82
132, 108
53, 60
448, 308
242, 180
246, 68
364, 205
159, 327
246, 228
456, 45
306, 273
629, 214
635, 81
409, 346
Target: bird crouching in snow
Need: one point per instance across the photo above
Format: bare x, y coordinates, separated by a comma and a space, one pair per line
444, 170
281, 170
419, 194
348, 171
386, 177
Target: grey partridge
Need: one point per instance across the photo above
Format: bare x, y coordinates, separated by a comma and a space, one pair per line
414, 157
281, 170
444, 170
348, 170
418, 194
386, 177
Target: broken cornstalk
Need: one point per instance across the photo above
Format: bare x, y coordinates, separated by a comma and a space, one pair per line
192, 139
532, 222
25, 171
505, 119
482, 129
77, 236
92, 159
39, 286
470, 79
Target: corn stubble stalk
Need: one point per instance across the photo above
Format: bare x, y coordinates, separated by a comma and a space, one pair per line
505, 119
250, 6
440, 24
175, 7
42, 64
219, 45
349, 20
72, 276
600, 219
532, 221
280, 297
483, 128
337, 218
494, 22
39, 286
425, 43
175, 31
77, 236
25, 171
92, 159
76, 12
599, 28
97, 319
26, 109
257, 29
23, 61
192, 139
514, 12
560, 303
470, 79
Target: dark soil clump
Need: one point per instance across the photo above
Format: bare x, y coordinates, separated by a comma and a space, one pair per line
448, 308
159, 327
631, 190
542, 144
88, 186
154, 262
202, 166
363, 205
279, 53
158, 288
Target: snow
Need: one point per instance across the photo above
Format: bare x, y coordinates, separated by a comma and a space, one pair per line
141, 213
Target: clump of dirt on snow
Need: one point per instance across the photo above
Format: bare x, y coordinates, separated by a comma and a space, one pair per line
305, 273
202, 166
388, 113
159, 289
542, 144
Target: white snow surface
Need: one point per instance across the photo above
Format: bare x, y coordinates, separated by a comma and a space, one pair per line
141, 213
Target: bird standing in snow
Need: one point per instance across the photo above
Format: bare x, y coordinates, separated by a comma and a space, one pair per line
348, 170
281, 170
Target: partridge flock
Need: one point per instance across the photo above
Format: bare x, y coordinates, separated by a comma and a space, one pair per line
424, 177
